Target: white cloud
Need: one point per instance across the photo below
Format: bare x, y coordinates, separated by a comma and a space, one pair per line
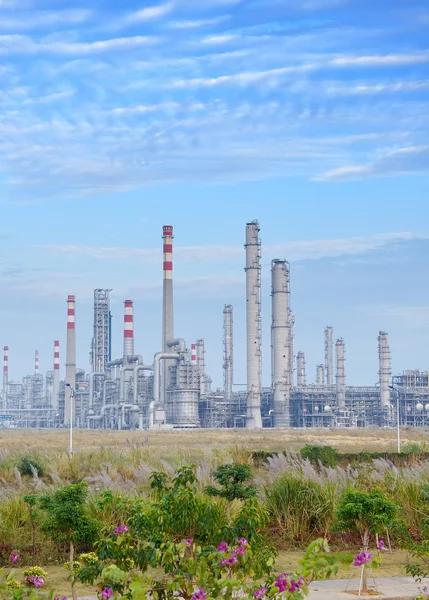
197, 23
294, 251
33, 20
17, 44
149, 13
380, 60
410, 159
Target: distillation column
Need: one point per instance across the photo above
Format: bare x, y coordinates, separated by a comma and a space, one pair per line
5, 375
36, 363
228, 349
291, 321
329, 357
167, 304
300, 369
56, 379
385, 371
69, 407
320, 377
128, 330
280, 341
201, 367
341, 374
253, 322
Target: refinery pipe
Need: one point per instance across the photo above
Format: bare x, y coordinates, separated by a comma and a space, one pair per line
156, 371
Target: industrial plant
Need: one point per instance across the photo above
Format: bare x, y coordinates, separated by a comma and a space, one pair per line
173, 390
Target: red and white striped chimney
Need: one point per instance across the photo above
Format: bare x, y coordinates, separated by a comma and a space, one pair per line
5, 375
70, 361
167, 302
194, 354
128, 329
36, 362
56, 379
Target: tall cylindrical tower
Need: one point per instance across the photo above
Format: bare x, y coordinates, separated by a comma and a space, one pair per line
320, 376
228, 350
291, 321
329, 355
201, 367
70, 362
300, 369
128, 329
385, 371
5, 375
280, 341
253, 318
36, 362
56, 379
341, 374
167, 303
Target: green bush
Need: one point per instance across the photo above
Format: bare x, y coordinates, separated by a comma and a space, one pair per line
328, 456
299, 508
35, 572
24, 467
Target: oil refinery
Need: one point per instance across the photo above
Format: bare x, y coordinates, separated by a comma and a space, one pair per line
173, 390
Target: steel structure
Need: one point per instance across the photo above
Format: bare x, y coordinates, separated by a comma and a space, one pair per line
341, 374
69, 406
301, 379
101, 342
385, 371
253, 323
228, 350
5, 377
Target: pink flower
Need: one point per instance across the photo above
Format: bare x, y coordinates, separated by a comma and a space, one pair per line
106, 593
199, 594
189, 542
223, 547
224, 562
14, 558
260, 593
241, 550
381, 545
243, 542
121, 529
282, 582
362, 559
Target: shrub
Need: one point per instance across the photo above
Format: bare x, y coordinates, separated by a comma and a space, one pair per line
233, 481
328, 456
35, 572
301, 509
27, 464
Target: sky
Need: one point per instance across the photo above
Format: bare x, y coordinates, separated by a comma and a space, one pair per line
119, 117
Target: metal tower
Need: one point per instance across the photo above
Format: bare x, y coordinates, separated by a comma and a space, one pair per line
228, 349
100, 347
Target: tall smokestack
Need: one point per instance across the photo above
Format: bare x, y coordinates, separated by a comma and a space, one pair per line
341, 374
291, 321
56, 379
228, 350
385, 371
128, 329
253, 318
320, 377
36, 363
5, 375
300, 369
70, 361
201, 367
329, 356
280, 342
194, 354
167, 302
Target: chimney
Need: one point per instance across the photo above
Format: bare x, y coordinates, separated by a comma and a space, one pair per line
385, 371
56, 379
167, 303
128, 330
253, 325
36, 363
329, 358
280, 342
69, 407
194, 354
5, 375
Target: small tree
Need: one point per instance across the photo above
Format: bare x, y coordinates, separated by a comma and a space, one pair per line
66, 520
365, 513
31, 502
233, 481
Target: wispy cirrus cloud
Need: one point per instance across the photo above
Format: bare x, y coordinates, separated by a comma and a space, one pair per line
305, 250
411, 159
148, 13
44, 19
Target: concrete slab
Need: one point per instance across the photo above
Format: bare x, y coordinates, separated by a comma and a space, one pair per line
389, 588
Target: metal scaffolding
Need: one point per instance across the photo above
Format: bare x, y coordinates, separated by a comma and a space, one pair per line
101, 342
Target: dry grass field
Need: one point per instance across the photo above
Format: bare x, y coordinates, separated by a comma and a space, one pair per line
194, 444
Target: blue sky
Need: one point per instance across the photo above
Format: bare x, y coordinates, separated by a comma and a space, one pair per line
311, 116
